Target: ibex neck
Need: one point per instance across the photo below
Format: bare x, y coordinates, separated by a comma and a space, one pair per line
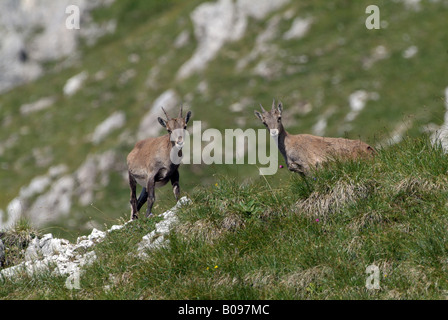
283, 134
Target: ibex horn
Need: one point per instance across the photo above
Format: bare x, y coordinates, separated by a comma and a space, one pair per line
167, 117
262, 109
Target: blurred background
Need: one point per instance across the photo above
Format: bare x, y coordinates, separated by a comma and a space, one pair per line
73, 102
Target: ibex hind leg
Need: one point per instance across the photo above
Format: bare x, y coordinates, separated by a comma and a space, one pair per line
142, 199
175, 184
133, 201
151, 197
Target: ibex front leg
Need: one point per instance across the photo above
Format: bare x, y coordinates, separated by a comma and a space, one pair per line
175, 183
150, 188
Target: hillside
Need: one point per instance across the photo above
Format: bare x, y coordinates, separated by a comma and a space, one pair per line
65, 134
253, 241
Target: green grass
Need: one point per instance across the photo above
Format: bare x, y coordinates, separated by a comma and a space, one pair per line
259, 240
16, 240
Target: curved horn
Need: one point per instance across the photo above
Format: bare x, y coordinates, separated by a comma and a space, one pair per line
273, 104
166, 115
262, 109
181, 111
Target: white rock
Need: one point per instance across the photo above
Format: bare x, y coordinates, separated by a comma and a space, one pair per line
36, 186
358, 101
216, 23
182, 39
149, 126
24, 50
126, 76
410, 52
155, 239
47, 251
299, 28
116, 227
39, 105
446, 104
378, 53
440, 135
259, 9
54, 203
14, 211
97, 166
21, 203
44, 253
32, 252
263, 46
55, 171
115, 121
240, 105
96, 235
75, 83
412, 4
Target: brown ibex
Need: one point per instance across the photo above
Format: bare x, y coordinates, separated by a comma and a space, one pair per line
304, 151
155, 161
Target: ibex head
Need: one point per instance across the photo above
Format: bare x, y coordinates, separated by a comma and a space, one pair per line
176, 127
272, 119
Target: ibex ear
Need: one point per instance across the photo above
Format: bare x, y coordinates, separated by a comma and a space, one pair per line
162, 122
258, 115
280, 107
187, 118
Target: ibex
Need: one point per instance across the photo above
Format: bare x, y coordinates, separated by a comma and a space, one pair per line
304, 151
151, 165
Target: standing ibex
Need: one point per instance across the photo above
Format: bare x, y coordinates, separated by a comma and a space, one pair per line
151, 165
304, 151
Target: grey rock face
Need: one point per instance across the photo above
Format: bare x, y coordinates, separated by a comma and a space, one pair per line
35, 31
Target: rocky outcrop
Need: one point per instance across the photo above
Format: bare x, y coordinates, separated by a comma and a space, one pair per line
51, 196
115, 121
34, 32
60, 257
156, 238
216, 23
149, 125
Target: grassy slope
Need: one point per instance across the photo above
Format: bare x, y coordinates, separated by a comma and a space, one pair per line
252, 241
